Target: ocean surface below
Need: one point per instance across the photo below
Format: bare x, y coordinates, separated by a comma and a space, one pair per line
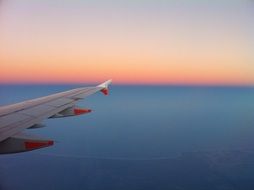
140, 138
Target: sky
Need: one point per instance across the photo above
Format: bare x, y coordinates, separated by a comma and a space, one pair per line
190, 42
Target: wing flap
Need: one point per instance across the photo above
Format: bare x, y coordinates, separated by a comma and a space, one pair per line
37, 110
60, 102
13, 118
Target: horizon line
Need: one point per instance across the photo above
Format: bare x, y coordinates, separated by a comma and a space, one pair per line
131, 84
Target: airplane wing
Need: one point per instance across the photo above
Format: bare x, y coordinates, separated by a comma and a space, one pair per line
15, 118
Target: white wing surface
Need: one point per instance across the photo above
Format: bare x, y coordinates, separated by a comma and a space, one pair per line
15, 118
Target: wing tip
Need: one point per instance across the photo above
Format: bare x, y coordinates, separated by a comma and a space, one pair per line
105, 84
104, 87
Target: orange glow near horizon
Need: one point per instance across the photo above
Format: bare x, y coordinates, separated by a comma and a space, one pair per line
132, 43
143, 73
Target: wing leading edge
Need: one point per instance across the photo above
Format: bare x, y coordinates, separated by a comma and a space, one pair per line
15, 118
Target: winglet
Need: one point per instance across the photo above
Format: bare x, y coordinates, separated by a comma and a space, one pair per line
104, 87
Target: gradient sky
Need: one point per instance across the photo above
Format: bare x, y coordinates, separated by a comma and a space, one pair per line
136, 42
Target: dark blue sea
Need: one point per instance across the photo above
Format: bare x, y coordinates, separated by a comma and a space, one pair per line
140, 138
